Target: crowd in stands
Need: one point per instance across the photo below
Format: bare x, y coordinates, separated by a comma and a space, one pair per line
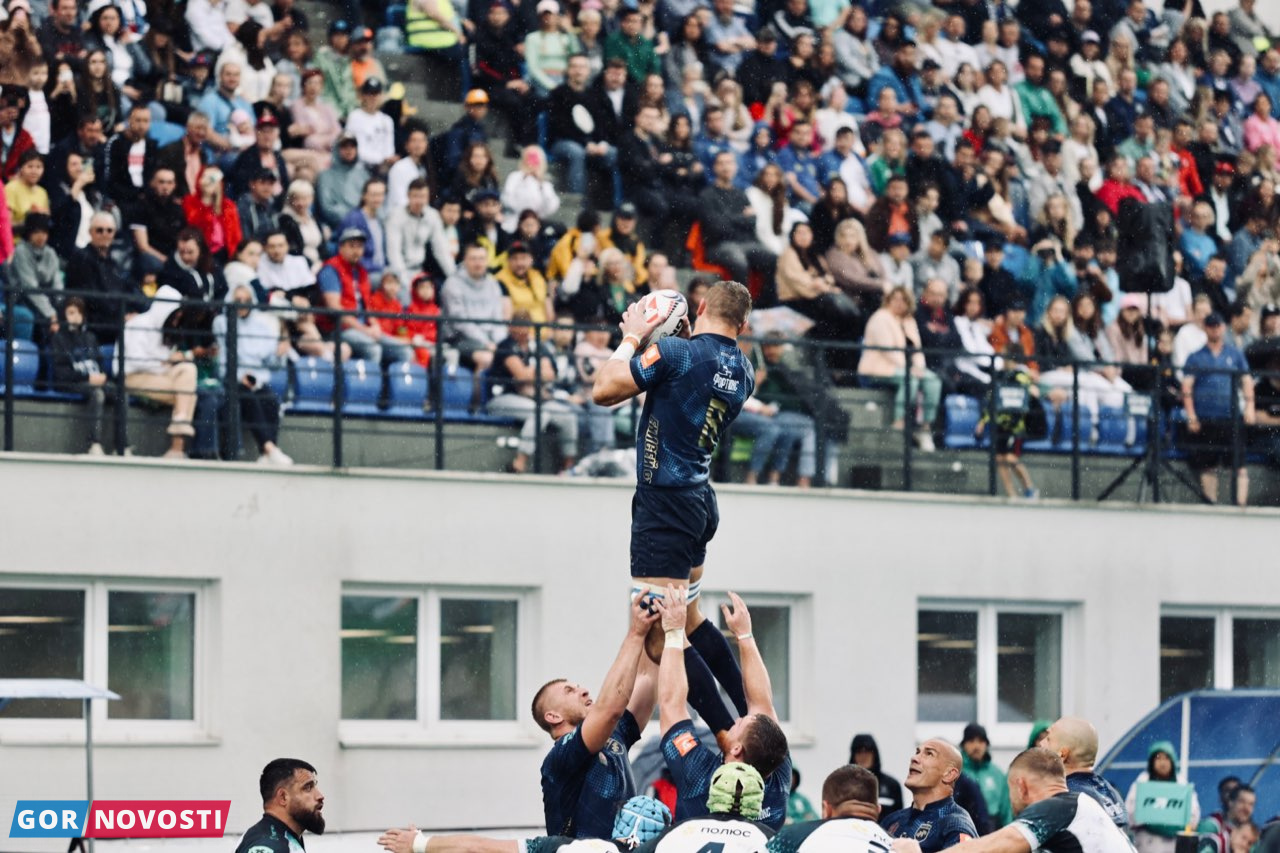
945, 176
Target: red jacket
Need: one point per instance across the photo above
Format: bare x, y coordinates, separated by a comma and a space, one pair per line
201, 217
396, 327
353, 289
423, 327
1111, 193
9, 167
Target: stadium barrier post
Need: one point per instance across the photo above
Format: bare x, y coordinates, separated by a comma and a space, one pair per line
1237, 432
1075, 431
9, 301
339, 390
908, 417
437, 393
231, 381
990, 430
1155, 430
820, 467
537, 398
122, 393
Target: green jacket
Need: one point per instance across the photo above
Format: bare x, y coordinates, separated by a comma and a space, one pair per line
1037, 101
339, 85
640, 56
995, 788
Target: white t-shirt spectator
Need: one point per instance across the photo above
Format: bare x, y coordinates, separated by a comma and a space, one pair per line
238, 11
208, 25
523, 191
292, 273
37, 120
375, 136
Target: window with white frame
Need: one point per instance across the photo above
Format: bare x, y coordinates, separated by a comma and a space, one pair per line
772, 619
997, 664
138, 639
1218, 647
418, 660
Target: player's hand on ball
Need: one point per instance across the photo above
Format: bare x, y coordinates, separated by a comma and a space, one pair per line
737, 618
674, 608
398, 840
634, 323
641, 614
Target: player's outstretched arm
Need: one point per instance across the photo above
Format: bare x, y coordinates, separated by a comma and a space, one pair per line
645, 695
614, 383
1011, 839
402, 841
673, 681
755, 677
619, 681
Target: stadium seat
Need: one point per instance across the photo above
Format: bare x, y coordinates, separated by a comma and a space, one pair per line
108, 359
362, 385
1069, 420
1113, 430
314, 386
409, 387
963, 414
279, 382
26, 367
455, 393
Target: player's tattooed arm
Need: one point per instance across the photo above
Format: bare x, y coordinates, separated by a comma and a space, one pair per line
755, 677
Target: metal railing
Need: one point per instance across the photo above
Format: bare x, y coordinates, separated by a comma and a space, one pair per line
441, 419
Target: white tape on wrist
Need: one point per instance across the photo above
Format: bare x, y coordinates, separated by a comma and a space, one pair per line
625, 351
420, 843
674, 639
746, 636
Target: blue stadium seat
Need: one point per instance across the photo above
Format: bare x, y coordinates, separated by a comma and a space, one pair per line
1113, 430
314, 386
395, 15
108, 359
279, 382
1069, 421
963, 414
409, 387
456, 390
362, 385
26, 367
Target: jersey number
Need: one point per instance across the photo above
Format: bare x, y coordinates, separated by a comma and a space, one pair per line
712, 847
711, 426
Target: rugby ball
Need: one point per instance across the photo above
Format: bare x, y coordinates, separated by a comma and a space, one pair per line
670, 307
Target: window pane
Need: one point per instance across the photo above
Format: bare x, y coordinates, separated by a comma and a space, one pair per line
1186, 654
477, 659
1028, 666
946, 666
1256, 652
151, 655
771, 626
42, 636
379, 658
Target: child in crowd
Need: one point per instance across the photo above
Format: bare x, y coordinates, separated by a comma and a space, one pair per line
422, 331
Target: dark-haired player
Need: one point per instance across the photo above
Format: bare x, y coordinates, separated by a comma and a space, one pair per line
694, 388
850, 807
586, 776
291, 805
755, 738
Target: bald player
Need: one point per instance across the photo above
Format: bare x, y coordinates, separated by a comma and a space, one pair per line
934, 819
850, 806
1048, 816
1075, 740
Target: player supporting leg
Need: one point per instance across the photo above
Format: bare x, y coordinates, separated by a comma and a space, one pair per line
755, 738
694, 388
587, 775
639, 821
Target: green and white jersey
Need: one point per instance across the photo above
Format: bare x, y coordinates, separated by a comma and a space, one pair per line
711, 834
836, 835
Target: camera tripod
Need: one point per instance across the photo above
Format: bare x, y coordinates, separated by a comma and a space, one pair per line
1152, 462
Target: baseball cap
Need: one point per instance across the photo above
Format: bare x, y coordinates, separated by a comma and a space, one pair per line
900, 239
973, 731
485, 194
1269, 310
767, 34
349, 234
1090, 35
519, 248
548, 6
626, 210
201, 60
371, 86
738, 789
347, 139
339, 26
362, 34
1224, 168
930, 64
477, 96
268, 120
641, 819
1214, 319
263, 174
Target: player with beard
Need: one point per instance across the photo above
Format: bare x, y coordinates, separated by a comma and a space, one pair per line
291, 805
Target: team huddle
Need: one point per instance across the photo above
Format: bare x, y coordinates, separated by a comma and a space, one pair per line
730, 797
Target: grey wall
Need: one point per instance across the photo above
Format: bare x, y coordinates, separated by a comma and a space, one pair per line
277, 546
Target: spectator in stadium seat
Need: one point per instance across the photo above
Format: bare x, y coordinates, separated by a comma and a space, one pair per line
485, 226
892, 215
517, 363
263, 155
331, 59
374, 131
340, 187
415, 231
156, 221
1162, 766
884, 363
279, 270
187, 156
729, 226
259, 349
579, 148
414, 165
396, 339
570, 246
367, 220
621, 235
130, 159
800, 167
632, 46
256, 207
856, 267
527, 188
218, 104
190, 271
523, 287
96, 270
642, 165
901, 76
933, 819
23, 192
344, 285
547, 49
74, 353
472, 293
156, 370
1075, 741
499, 73
35, 268
214, 215
992, 782
1218, 830
761, 70
304, 232
934, 262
